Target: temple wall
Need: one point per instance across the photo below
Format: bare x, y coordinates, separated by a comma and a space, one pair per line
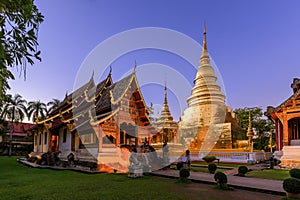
64, 146
39, 142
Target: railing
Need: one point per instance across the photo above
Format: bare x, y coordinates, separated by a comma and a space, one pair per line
238, 157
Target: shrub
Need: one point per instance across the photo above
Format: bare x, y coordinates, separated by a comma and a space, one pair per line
295, 173
291, 185
209, 159
243, 170
220, 177
212, 167
184, 173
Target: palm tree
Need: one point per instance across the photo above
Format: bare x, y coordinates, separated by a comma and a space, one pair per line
36, 109
14, 110
53, 105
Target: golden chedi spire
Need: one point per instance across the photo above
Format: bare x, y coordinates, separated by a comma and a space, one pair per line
165, 113
206, 89
165, 121
204, 59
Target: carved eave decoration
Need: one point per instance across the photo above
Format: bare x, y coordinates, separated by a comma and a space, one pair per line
97, 122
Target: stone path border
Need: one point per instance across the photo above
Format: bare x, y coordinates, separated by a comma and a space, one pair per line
253, 184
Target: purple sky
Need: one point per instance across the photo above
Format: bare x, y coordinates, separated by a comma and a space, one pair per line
255, 45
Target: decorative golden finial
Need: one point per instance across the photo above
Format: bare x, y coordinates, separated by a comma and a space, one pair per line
36, 118
204, 59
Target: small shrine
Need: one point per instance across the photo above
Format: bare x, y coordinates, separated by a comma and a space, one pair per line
165, 124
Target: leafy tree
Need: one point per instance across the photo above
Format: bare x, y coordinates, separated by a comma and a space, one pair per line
54, 103
261, 125
14, 110
19, 25
36, 109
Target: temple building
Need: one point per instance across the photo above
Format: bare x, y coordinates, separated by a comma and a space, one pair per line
202, 126
165, 124
21, 138
286, 118
95, 122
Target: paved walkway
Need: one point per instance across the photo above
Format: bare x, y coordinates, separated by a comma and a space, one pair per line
253, 184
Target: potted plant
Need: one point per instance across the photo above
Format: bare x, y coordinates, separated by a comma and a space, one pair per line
292, 187
221, 180
242, 170
212, 167
209, 159
184, 173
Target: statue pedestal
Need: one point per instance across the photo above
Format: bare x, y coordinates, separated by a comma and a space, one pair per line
134, 173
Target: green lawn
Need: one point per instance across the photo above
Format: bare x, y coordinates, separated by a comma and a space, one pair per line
275, 174
21, 182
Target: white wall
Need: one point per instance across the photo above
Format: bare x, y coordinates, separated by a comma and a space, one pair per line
41, 147
64, 146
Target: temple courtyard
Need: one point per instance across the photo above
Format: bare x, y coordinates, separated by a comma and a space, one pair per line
22, 182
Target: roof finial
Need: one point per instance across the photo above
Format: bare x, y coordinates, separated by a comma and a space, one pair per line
134, 69
66, 95
110, 70
92, 77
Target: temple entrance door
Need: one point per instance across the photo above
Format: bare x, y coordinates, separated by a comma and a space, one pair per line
73, 136
294, 130
54, 143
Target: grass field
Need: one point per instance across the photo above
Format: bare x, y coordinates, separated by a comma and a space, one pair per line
21, 182
274, 174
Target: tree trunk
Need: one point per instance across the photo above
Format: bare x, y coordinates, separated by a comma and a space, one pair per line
10, 139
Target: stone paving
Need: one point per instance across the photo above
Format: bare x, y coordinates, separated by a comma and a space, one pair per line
254, 184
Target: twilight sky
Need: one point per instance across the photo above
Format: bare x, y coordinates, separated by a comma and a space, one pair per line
255, 46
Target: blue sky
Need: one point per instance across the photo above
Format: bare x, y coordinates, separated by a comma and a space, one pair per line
254, 44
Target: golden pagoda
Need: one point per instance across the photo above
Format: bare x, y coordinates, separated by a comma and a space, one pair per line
202, 124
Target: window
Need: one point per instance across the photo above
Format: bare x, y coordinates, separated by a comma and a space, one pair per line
46, 138
65, 136
89, 140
